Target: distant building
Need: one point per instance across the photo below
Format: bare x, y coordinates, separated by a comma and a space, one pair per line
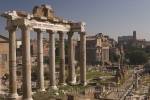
33, 44
45, 47
97, 49
19, 48
126, 40
4, 54
33, 47
105, 55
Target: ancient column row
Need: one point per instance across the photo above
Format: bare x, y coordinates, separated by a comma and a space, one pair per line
27, 91
26, 61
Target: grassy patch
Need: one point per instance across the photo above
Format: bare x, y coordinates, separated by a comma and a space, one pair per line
47, 95
61, 93
92, 74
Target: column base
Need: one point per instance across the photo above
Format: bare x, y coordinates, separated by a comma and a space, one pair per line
83, 83
27, 98
42, 90
13, 96
63, 84
54, 87
72, 82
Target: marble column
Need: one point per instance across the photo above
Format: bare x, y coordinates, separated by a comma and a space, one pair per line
62, 59
83, 58
40, 59
12, 63
71, 66
26, 61
52, 60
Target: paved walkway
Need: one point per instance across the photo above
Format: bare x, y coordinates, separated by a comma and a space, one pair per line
118, 92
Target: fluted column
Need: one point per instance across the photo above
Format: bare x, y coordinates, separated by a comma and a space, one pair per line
62, 58
40, 59
26, 61
52, 60
12, 63
83, 58
71, 66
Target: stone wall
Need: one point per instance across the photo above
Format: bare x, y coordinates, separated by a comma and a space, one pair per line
4, 56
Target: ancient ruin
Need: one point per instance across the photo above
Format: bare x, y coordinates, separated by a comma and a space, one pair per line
43, 20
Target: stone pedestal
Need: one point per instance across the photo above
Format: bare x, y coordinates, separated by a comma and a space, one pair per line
26, 61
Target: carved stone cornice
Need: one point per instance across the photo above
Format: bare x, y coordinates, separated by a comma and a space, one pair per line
21, 18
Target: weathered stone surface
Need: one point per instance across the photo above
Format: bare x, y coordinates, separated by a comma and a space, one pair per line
40, 59
12, 64
62, 58
26, 61
71, 65
43, 11
52, 68
83, 58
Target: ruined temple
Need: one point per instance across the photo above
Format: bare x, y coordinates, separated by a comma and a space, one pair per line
43, 21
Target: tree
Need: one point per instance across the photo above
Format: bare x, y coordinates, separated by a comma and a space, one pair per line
137, 57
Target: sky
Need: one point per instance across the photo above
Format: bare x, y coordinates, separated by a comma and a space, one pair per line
111, 17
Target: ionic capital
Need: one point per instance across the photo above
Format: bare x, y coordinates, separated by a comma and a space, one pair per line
38, 30
24, 27
11, 28
82, 33
60, 32
51, 31
70, 34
